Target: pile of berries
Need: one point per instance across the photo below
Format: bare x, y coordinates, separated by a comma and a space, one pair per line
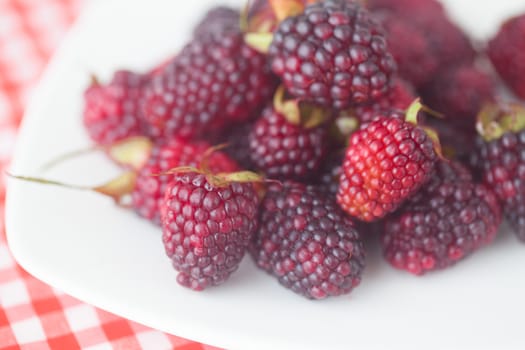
292, 130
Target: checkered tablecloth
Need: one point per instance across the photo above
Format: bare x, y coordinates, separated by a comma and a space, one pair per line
33, 315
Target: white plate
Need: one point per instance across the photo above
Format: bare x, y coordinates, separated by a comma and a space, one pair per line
84, 245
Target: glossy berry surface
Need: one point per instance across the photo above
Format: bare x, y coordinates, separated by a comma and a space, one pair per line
308, 243
447, 220
502, 163
112, 111
148, 193
386, 163
216, 80
506, 51
284, 150
334, 54
206, 228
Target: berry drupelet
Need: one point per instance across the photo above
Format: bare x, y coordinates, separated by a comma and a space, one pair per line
216, 80
207, 227
450, 218
501, 159
386, 163
286, 150
150, 186
506, 51
333, 54
112, 111
307, 242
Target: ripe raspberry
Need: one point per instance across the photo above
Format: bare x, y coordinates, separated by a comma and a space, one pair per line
501, 159
506, 51
334, 54
284, 150
214, 81
218, 19
459, 93
149, 190
447, 220
111, 112
386, 163
308, 243
207, 228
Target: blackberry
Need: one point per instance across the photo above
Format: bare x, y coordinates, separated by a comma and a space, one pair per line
334, 54
501, 160
217, 20
505, 51
112, 111
284, 150
459, 93
410, 47
216, 80
421, 30
307, 242
385, 164
150, 187
447, 220
207, 228
407, 6
237, 139
330, 173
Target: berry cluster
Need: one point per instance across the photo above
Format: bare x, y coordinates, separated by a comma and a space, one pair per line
292, 129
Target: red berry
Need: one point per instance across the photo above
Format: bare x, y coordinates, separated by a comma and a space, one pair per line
327, 180
334, 54
506, 53
423, 42
501, 161
218, 19
284, 150
410, 48
459, 93
207, 228
450, 218
407, 6
386, 163
392, 105
308, 243
111, 112
150, 187
448, 42
237, 139
216, 80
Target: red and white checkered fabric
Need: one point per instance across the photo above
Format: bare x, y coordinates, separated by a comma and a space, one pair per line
32, 314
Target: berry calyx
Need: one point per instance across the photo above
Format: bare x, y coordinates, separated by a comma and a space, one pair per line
494, 120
